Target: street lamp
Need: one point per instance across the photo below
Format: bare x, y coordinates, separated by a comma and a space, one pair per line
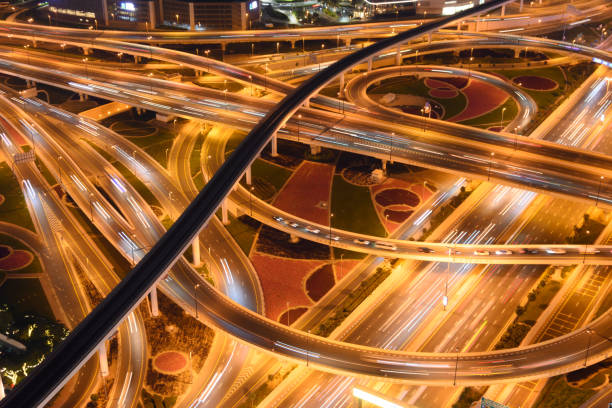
456, 366
490, 163
86, 69
251, 78
586, 356
598, 190
251, 188
277, 47
502, 119
195, 299
298, 123
331, 215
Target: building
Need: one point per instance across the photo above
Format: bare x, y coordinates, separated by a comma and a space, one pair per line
146, 14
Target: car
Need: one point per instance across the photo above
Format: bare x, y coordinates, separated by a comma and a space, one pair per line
481, 252
528, 251
334, 237
279, 219
425, 250
294, 224
503, 252
312, 229
591, 251
385, 245
556, 251
361, 241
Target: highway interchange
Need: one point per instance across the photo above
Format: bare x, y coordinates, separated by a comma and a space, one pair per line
248, 298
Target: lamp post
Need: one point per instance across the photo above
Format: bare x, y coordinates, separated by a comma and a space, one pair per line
598, 190
456, 366
502, 120
331, 216
251, 188
298, 123
195, 299
490, 163
86, 69
586, 356
277, 47
251, 78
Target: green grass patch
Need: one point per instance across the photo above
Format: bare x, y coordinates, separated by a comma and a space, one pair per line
494, 117
273, 174
347, 254
352, 301
558, 393
413, 86
353, 209
534, 308
26, 296
14, 209
244, 230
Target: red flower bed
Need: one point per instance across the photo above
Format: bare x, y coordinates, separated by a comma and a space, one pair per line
17, 260
397, 196
536, 83
5, 251
443, 93
304, 192
457, 82
481, 98
397, 216
282, 281
320, 282
170, 362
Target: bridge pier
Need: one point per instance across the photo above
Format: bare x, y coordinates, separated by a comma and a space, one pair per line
153, 300
195, 249
369, 64
292, 44
103, 359
307, 103
429, 38
503, 10
384, 164
224, 216
136, 59
86, 51
294, 239
82, 97
274, 145
315, 149
347, 42
248, 176
398, 55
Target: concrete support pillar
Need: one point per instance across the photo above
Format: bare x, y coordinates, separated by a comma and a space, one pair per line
314, 150
103, 360
137, 59
503, 10
347, 42
248, 176
516, 53
139, 111
2, 395
191, 16
521, 7
152, 18
294, 239
342, 84
274, 145
153, 300
398, 56
384, 164
429, 38
82, 97
369, 64
477, 23
307, 103
293, 44
86, 51
195, 249
224, 216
